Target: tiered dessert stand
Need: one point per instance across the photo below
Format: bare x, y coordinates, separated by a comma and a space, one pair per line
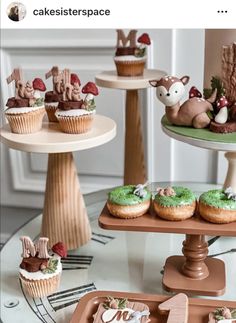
134, 168
64, 213
193, 273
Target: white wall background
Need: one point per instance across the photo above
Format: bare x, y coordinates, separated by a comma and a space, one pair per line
88, 52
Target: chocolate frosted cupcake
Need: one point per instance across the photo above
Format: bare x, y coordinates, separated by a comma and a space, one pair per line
74, 114
130, 60
25, 111
40, 270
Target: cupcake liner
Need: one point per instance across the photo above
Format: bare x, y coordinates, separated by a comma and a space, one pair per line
42, 287
51, 113
76, 125
130, 68
24, 123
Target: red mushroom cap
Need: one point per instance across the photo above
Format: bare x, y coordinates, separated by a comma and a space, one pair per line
38, 84
144, 39
60, 249
90, 87
74, 79
194, 93
222, 102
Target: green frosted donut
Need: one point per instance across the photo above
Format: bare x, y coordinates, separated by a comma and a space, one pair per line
184, 196
218, 199
123, 195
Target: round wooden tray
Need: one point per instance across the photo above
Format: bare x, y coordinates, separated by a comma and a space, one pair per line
200, 137
51, 140
110, 79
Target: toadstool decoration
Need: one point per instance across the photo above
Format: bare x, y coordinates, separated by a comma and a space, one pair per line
194, 93
91, 90
60, 249
144, 41
38, 86
222, 106
74, 79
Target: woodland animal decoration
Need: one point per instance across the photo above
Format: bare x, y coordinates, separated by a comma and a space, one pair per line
193, 112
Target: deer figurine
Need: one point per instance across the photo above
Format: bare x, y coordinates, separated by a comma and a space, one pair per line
193, 112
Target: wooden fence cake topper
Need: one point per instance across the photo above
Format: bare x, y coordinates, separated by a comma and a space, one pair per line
56, 81
177, 307
16, 76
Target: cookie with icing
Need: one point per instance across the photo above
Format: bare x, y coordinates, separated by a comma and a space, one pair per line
121, 310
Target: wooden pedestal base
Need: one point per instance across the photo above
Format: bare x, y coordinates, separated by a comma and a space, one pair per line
64, 215
195, 273
230, 180
135, 171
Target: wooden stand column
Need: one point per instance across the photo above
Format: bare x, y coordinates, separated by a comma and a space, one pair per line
64, 214
230, 180
194, 273
195, 250
135, 171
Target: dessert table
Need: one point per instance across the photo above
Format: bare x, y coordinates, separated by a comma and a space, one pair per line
64, 214
114, 260
135, 167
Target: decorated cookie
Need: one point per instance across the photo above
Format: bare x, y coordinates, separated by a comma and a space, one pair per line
130, 56
74, 114
129, 201
25, 110
174, 203
40, 269
177, 308
218, 206
193, 112
223, 315
121, 310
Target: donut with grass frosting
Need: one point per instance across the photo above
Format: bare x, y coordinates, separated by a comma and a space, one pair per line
178, 205
218, 206
129, 201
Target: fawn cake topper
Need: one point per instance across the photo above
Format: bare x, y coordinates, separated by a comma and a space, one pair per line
215, 109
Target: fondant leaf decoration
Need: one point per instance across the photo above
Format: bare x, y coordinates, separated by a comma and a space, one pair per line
51, 267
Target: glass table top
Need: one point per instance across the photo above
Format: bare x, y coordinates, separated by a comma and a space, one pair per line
119, 261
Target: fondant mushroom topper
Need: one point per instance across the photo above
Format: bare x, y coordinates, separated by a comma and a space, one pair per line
193, 112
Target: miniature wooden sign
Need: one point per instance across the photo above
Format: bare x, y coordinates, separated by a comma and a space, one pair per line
177, 307
124, 41
16, 76
54, 72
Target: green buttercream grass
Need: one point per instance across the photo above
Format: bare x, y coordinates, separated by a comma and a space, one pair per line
184, 196
124, 195
218, 199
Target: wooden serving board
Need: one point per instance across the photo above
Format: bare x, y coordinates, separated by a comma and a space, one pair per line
150, 222
199, 309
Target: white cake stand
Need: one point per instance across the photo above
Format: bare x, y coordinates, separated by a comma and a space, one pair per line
64, 213
134, 168
229, 148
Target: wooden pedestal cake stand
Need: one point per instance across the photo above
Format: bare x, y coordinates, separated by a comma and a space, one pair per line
64, 213
134, 168
192, 273
204, 138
